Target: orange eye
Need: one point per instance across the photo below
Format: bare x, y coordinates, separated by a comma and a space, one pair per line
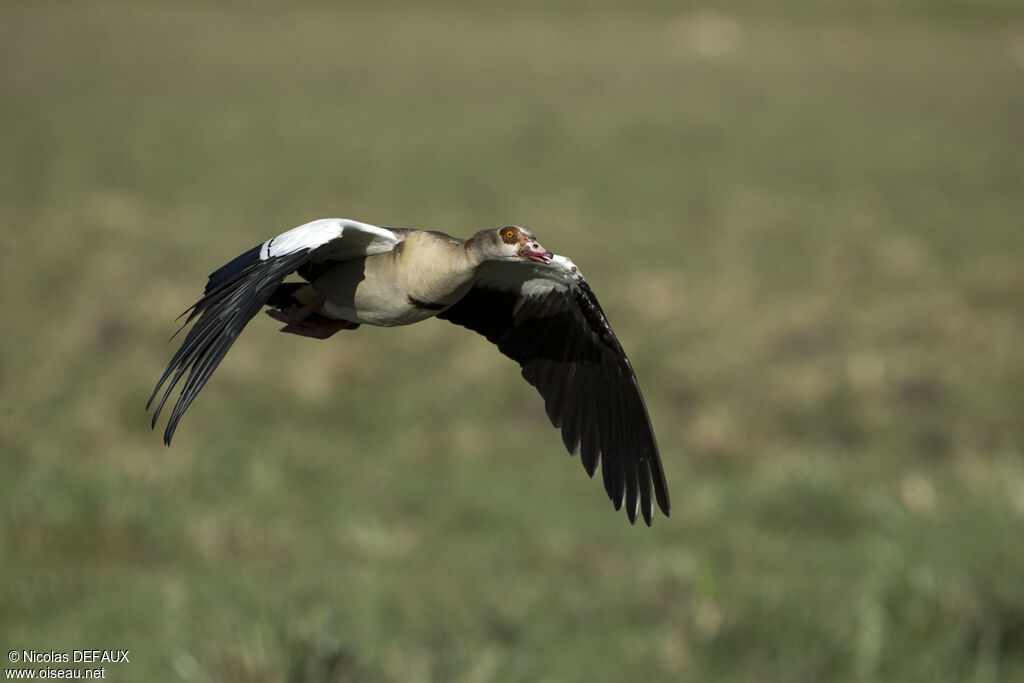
509, 234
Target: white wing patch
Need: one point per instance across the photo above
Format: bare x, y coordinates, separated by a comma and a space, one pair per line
365, 239
565, 264
529, 279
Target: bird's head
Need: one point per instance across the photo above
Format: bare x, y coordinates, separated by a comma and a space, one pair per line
510, 243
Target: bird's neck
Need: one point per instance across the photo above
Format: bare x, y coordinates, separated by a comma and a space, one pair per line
435, 268
475, 247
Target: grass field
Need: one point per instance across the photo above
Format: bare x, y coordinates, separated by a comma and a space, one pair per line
807, 227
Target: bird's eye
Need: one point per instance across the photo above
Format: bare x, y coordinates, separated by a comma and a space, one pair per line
509, 234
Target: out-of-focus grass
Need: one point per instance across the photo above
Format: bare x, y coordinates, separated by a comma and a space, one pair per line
806, 227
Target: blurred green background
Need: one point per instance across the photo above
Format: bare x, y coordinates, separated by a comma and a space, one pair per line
805, 223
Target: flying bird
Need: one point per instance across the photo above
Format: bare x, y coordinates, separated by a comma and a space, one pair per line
533, 304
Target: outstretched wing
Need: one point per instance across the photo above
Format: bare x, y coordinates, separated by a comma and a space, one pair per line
546, 318
238, 290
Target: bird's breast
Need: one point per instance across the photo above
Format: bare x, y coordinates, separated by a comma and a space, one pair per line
380, 290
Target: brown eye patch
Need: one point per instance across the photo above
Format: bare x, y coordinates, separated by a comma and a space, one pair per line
510, 234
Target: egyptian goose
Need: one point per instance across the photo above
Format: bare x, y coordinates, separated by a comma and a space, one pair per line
502, 283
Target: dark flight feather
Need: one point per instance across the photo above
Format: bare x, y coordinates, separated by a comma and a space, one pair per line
566, 349
234, 294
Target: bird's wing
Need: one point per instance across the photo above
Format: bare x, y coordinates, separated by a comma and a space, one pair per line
546, 318
238, 290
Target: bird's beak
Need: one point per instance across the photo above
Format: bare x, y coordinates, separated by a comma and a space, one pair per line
535, 252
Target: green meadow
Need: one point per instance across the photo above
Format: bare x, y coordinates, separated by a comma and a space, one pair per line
805, 223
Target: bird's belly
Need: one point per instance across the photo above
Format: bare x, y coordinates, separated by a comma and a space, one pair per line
387, 313
372, 296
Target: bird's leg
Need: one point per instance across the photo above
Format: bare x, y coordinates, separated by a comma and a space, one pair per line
294, 312
306, 322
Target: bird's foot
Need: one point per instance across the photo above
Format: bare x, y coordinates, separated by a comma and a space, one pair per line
306, 322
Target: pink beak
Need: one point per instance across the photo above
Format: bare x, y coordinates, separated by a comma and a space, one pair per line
535, 252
